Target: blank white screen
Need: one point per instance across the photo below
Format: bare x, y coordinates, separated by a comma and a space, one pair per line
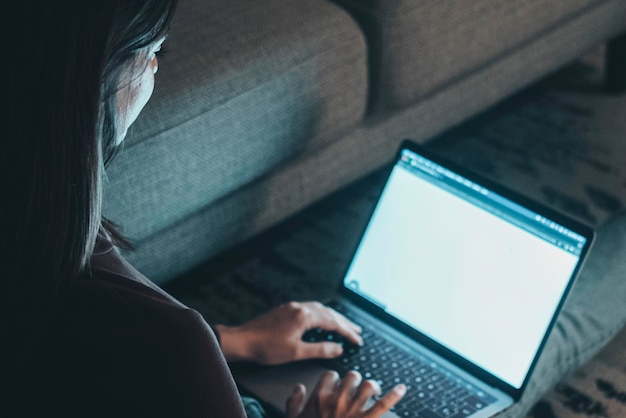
475, 283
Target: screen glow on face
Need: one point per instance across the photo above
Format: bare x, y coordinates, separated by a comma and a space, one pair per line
470, 280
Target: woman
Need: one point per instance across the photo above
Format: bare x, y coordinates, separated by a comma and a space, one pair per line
85, 334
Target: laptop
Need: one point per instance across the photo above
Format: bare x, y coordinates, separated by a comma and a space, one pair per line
457, 282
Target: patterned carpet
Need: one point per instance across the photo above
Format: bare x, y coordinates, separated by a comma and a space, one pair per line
562, 142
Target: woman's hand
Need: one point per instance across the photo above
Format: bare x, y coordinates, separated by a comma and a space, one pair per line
337, 398
276, 336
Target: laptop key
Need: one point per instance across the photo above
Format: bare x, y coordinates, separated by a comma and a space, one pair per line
458, 415
466, 411
488, 399
445, 412
475, 403
405, 412
427, 413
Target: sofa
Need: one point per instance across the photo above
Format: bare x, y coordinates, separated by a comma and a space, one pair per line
263, 107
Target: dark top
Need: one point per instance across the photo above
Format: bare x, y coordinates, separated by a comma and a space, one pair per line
117, 345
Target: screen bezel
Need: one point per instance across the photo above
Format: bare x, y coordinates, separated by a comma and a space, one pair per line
507, 193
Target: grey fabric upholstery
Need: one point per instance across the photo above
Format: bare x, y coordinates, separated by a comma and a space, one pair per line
245, 86
259, 109
321, 169
417, 47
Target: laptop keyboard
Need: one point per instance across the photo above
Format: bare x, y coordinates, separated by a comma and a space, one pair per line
432, 391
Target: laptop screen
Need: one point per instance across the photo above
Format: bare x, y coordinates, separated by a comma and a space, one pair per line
470, 269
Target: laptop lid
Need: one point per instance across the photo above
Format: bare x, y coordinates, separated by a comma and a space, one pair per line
469, 268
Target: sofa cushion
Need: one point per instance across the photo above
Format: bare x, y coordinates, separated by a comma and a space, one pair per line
244, 86
418, 47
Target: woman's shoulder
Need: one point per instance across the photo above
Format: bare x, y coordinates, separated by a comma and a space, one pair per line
114, 296
126, 336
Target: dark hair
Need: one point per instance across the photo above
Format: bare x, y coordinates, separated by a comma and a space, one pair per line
60, 130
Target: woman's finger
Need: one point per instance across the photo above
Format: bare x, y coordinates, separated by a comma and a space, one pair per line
366, 390
385, 403
331, 320
318, 350
326, 385
296, 401
348, 388
353, 330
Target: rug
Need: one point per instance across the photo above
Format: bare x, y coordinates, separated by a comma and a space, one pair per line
562, 142
598, 389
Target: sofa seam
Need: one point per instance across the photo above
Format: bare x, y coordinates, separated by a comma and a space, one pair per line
502, 55
347, 4
232, 98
